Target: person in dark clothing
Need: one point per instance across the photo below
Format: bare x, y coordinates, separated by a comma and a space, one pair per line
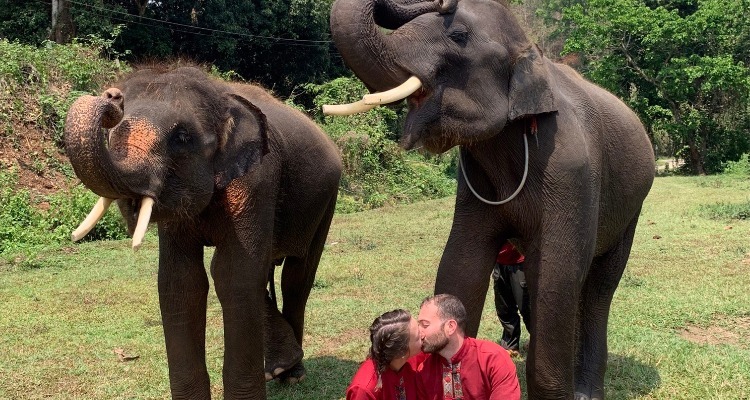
511, 296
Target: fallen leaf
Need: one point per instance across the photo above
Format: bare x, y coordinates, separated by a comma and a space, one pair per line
657, 237
728, 227
124, 357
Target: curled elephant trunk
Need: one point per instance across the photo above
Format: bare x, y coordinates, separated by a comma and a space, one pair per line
85, 137
86, 147
366, 49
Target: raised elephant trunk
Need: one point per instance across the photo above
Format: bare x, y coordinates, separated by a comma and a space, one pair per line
85, 144
86, 147
366, 49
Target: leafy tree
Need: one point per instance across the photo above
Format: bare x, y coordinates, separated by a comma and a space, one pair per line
279, 43
25, 21
682, 65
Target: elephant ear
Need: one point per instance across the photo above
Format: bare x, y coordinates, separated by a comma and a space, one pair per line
530, 91
242, 143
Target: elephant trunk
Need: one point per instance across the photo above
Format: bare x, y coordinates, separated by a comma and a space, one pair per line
366, 49
86, 145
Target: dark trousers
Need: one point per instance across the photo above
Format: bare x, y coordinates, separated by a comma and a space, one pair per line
511, 298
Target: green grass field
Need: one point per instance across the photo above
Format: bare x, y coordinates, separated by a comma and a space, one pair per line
678, 327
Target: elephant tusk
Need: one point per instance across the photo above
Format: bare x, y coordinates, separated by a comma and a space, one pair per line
144, 215
97, 212
347, 109
398, 93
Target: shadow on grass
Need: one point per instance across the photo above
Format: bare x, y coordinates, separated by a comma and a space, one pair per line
327, 378
626, 377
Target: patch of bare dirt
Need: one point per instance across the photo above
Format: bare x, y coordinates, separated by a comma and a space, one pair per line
724, 330
331, 346
38, 161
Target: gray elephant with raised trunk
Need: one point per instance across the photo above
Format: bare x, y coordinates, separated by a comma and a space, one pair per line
223, 165
547, 159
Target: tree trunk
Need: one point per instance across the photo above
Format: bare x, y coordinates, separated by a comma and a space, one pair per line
62, 22
696, 159
141, 4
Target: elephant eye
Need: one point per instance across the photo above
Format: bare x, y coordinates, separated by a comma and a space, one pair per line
181, 135
458, 35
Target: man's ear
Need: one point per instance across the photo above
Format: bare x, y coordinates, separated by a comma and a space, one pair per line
243, 140
530, 91
450, 327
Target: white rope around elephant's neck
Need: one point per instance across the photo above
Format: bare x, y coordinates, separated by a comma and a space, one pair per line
520, 186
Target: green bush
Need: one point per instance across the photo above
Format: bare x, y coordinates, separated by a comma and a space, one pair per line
740, 167
726, 211
376, 171
38, 84
28, 223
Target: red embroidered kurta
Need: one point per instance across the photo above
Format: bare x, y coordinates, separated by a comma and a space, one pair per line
480, 370
508, 255
399, 385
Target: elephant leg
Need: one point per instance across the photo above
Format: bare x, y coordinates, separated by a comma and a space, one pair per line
297, 278
596, 299
554, 275
283, 352
183, 289
240, 281
465, 269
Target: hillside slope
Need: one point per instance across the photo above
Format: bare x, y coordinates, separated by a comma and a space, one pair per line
37, 85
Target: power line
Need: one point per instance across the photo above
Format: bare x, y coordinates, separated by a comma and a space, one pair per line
278, 40
106, 14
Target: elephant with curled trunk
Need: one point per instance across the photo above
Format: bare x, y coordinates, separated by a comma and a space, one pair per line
546, 158
223, 165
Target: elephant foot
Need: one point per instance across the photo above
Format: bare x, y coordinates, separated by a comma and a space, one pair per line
278, 365
584, 396
282, 351
275, 374
294, 375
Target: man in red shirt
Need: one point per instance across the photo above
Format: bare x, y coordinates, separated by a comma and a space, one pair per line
459, 367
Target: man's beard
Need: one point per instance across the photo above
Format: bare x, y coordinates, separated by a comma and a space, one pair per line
435, 343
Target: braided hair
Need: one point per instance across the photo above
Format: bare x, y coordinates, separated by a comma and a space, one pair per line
389, 335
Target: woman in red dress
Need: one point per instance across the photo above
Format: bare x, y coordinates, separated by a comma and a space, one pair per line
395, 351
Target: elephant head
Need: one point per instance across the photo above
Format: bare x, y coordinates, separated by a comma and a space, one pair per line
162, 141
468, 66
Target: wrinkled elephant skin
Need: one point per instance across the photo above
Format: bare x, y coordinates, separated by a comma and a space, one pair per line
484, 86
223, 165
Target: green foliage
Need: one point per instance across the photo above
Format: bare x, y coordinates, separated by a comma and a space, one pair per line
740, 167
38, 84
28, 21
726, 211
682, 65
376, 171
28, 223
279, 43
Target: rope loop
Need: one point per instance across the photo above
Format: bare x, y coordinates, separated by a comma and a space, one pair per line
520, 186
